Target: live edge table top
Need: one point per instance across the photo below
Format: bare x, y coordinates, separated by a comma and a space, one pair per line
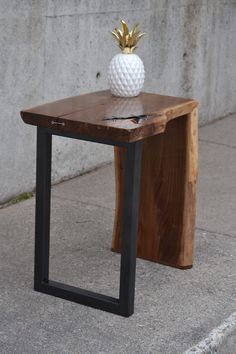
102, 116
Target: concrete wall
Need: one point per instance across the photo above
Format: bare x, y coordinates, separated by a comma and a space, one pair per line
50, 49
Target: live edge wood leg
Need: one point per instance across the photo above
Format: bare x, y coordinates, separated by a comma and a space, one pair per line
167, 194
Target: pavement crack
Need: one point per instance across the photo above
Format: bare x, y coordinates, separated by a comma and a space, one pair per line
216, 233
83, 221
221, 144
82, 202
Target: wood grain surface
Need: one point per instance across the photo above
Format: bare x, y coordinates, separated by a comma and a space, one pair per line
89, 115
168, 194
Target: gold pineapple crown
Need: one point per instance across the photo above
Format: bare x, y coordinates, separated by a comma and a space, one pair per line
127, 40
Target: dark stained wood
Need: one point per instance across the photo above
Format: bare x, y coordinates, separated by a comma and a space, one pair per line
85, 115
169, 162
168, 194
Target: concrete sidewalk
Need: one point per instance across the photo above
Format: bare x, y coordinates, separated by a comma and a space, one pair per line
174, 309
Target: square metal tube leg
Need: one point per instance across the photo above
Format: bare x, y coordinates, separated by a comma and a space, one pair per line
42, 215
125, 304
130, 210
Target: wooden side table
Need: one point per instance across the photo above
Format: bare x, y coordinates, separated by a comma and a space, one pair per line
153, 147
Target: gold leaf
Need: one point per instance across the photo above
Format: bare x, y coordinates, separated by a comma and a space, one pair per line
126, 39
136, 28
124, 28
115, 35
140, 36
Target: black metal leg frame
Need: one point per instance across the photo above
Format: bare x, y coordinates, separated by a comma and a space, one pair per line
123, 306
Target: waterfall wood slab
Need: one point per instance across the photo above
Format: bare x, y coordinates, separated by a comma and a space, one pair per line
169, 162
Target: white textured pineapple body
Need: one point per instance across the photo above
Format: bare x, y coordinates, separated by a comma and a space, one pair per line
126, 75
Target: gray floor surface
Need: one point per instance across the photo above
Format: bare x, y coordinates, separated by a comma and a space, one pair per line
174, 309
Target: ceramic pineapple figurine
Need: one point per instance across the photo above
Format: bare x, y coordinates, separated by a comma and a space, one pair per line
126, 70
